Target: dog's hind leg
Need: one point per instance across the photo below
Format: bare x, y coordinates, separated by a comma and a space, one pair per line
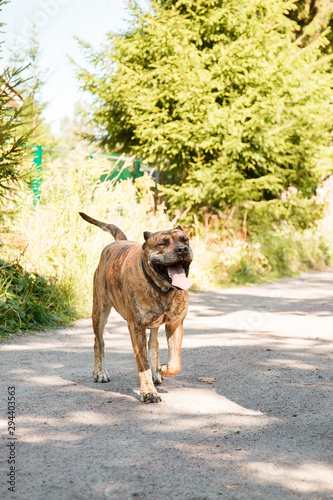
100, 316
154, 357
174, 335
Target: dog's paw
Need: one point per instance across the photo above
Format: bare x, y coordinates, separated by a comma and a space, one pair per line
150, 397
102, 376
157, 378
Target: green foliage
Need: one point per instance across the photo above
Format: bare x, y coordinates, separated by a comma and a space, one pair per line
220, 95
29, 128
51, 240
299, 211
34, 76
226, 259
29, 301
13, 153
314, 17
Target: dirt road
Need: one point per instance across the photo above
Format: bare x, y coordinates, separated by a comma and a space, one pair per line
262, 430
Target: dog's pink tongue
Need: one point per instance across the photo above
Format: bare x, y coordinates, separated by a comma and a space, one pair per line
178, 277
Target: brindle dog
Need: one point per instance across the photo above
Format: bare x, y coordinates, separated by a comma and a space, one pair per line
147, 285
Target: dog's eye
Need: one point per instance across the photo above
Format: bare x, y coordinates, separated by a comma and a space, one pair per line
164, 243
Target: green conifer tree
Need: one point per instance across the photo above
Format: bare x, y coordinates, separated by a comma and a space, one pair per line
35, 76
314, 17
13, 112
219, 94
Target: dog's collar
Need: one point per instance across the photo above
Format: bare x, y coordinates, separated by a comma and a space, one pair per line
153, 284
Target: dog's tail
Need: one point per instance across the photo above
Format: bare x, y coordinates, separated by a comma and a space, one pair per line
109, 228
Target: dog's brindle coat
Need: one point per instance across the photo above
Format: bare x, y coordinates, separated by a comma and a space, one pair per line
134, 279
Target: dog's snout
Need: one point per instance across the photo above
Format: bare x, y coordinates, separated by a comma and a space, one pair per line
182, 249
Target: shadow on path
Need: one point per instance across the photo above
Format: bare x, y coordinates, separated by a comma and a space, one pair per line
262, 430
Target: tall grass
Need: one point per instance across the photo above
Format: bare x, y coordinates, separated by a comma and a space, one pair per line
236, 259
52, 240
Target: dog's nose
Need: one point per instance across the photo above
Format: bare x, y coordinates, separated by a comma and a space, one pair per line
182, 249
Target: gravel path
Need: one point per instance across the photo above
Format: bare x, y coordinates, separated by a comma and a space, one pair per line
262, 430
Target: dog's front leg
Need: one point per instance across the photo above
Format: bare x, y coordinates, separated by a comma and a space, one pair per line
154, 357
174, 334
139, 342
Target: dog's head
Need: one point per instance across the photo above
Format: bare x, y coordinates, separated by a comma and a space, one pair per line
168, 256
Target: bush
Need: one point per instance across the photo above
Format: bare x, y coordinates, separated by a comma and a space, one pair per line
231, 260
29, 301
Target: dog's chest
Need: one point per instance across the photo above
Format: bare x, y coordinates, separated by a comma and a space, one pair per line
155, 314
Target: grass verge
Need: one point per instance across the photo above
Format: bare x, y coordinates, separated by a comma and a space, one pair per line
29, 301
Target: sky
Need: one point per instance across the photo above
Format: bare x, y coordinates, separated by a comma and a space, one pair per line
57, 23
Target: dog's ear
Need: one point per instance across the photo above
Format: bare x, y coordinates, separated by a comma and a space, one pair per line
147, 235
179, 227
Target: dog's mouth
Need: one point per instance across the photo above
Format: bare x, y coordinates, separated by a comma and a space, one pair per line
175, 273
